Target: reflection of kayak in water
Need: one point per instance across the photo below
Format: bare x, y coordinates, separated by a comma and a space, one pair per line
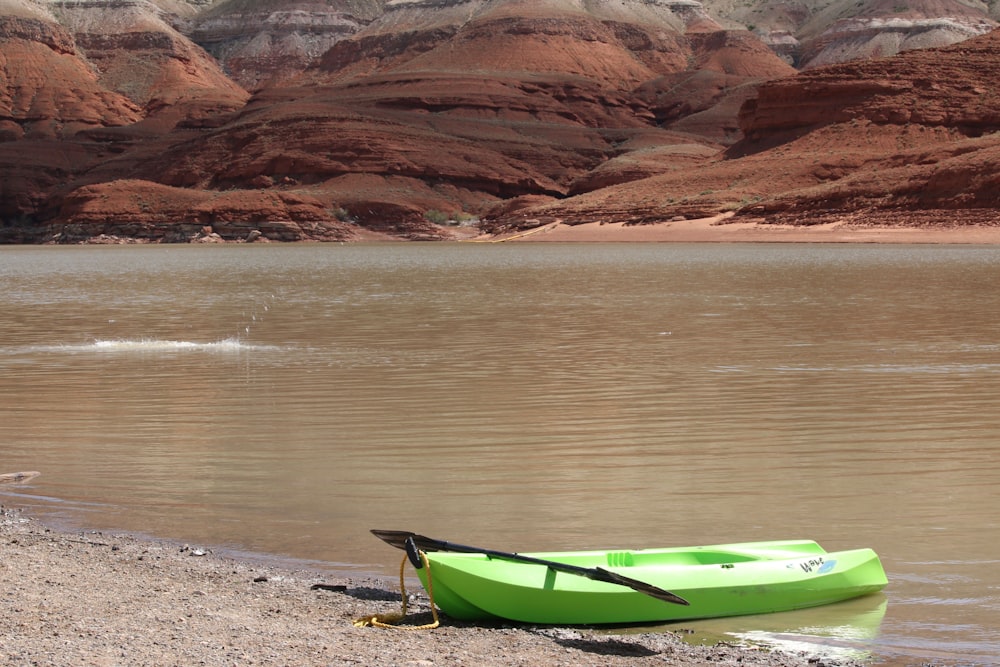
844, 630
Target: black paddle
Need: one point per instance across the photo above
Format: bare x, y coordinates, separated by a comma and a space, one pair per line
402, 539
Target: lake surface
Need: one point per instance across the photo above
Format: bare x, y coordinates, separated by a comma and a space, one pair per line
284, 400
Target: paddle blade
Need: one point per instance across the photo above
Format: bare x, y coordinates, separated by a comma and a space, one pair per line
394, 538
399, 538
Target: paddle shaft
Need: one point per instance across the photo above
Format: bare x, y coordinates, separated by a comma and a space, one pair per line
399, 539
505, 555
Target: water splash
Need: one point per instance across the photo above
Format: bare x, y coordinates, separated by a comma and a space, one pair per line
256, 315
152, 345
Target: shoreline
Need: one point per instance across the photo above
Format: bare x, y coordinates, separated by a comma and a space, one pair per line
717, 230
96, 598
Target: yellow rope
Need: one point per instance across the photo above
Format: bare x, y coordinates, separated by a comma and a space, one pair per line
392, 620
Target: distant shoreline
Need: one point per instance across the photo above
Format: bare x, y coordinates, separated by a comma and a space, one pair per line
716, 230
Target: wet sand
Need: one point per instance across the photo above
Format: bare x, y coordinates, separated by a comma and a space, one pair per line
102, 599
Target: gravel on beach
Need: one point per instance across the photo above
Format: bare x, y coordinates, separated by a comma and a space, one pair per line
91, 598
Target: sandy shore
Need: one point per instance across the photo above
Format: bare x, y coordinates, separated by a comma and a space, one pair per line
718, 230
101, 599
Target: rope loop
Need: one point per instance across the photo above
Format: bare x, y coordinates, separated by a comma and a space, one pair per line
392, 620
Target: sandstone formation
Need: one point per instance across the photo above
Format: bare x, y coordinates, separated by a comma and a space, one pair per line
82, 82
147, 211
50, 92
940, 108
909, 140
262, 43
809, 34
137, 53
411, 118
445, 107
480, 102
47, 95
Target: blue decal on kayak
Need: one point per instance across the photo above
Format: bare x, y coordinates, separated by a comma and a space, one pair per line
827, 566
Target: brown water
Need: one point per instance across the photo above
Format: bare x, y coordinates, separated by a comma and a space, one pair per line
285, 399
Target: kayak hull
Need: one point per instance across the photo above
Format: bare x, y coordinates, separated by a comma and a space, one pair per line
717, 580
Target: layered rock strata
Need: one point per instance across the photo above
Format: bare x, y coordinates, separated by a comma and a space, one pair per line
395, 116
264, 43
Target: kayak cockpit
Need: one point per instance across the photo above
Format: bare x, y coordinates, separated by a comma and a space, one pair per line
666, 559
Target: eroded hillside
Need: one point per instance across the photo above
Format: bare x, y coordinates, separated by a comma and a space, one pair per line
298, 119
905, 141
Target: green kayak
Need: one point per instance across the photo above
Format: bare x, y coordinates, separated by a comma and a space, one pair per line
717, 580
